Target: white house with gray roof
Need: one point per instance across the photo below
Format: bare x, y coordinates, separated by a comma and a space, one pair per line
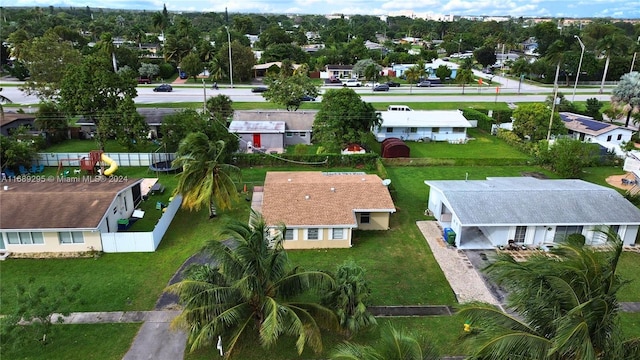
441, 125
530, 211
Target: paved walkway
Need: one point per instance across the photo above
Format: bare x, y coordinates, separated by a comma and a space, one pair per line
462, 276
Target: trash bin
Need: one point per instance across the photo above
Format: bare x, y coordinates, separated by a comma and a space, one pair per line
123, 224
449, 236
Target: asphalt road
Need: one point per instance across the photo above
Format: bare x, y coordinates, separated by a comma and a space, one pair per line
509, 91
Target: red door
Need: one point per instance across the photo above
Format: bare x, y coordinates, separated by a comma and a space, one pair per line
256, 140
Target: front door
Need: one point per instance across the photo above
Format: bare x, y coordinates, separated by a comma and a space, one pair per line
256, 140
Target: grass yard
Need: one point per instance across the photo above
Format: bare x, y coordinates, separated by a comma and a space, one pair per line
73, 341
629, 269
483, 146
81, 146
441, 331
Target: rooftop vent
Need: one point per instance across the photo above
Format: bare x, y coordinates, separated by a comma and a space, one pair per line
307, 197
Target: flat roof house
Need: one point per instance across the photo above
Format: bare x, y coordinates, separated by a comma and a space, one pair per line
63, 217
321, 209
487, 213
445, 125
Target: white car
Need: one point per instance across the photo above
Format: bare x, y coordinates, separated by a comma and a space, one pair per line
368, 84
352, 83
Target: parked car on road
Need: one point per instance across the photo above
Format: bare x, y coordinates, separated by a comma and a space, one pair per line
307, 98
163, 88
381, 87
392, 84
352, 83
424, 84
259, 89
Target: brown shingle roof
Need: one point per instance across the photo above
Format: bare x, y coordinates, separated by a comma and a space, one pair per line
332, 197
55, 205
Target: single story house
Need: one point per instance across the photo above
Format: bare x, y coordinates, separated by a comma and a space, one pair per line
298, 124
11, 121
260, 70
585, 128
67, 216
534, 212
442, 125
152, 116
338, 71
321, 209
262, 136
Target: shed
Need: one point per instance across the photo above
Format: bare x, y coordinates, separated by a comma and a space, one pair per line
394, 148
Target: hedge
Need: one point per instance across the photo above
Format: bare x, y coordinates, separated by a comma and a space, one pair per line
362, 161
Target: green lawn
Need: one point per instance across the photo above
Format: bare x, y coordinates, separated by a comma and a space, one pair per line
73, 341
81, 146
483, 146
629, 269
441, 331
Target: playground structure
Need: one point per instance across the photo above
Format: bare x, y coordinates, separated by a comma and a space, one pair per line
162, 161
89, 164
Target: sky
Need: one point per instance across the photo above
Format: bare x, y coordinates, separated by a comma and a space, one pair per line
622, 9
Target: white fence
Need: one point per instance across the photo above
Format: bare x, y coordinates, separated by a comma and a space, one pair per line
122, 159
141, 241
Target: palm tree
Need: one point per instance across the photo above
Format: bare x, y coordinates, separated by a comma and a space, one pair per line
464, 76
627, 94
565, 307
252, 290
349, 298
610, 44
205, 179
394, 345
412, 74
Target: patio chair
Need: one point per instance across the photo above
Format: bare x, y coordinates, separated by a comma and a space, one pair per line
10, 174
23, 170
41, 168
34, 169
511, 245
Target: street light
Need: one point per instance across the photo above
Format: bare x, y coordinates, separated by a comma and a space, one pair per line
579, 66
553, 106
635, 53
230, 61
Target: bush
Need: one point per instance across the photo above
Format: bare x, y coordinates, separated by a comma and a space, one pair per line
360, 161
300, 149
484, 121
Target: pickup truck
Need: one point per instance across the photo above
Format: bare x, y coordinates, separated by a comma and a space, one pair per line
352, 83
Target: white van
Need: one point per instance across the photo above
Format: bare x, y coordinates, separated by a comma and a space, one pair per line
398, 108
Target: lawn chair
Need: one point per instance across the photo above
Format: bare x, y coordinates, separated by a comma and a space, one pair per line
40, 168
10, 174
160, 205
23, 170
34, 169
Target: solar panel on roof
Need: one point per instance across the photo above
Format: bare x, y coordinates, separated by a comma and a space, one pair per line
593, 125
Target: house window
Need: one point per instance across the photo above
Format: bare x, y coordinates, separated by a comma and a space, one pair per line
71, 237
289, 134
619, 136
389, 129
115, 210
365, 218
458, 130
337, 234
609, 138
289, 234
563, 231
313, 234
521, 231
435, 130
302, 134
24, 238
413, 130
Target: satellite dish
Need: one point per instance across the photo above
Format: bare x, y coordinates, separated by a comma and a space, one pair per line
386, 182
